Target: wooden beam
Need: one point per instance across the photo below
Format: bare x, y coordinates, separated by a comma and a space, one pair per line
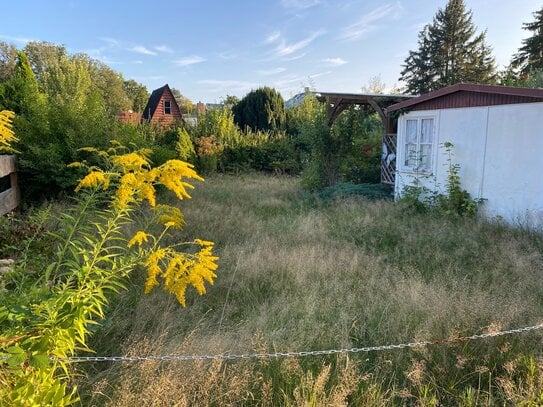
334, 108
336, 111
379, 111
9, 200
7, 165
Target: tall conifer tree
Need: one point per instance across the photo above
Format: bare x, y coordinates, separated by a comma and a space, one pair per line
530, 55
450, 51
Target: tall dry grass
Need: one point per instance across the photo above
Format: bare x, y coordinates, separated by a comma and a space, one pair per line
297, 273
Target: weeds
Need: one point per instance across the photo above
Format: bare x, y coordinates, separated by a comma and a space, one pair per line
316, 275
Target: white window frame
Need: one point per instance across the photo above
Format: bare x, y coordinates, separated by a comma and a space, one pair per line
404, 151
169, 107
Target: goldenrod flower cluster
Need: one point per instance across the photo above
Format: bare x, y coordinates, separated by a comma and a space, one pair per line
136, 177
93, 179
170, 216
7, 136
179, 270
171, 174
138, 238
135, 180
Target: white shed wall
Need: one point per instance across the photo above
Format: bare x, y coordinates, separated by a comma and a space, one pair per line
499, 151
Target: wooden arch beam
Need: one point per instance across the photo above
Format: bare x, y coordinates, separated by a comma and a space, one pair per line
338, 102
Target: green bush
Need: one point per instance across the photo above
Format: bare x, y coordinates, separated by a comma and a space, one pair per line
184, 146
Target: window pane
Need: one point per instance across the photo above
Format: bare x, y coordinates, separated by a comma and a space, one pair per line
411, 131
425, 157
410, 155
427, 131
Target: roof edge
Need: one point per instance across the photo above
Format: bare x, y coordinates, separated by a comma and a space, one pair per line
468, 87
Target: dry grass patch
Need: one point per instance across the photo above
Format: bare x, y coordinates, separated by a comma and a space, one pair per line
297, 273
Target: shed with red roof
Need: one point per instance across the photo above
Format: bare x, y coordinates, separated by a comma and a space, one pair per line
497, 139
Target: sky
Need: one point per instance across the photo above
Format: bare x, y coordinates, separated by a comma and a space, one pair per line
212, 48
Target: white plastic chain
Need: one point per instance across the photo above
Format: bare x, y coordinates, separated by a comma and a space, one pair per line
181, 358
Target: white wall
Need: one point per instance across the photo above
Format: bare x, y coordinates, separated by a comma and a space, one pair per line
499, 149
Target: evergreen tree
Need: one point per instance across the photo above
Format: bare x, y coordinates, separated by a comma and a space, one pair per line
530, 55
261, 109
21, 91
450, 51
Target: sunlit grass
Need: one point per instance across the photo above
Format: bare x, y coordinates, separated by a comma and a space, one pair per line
297, 273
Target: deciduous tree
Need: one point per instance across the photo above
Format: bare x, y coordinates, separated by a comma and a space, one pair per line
185, 104
137, 94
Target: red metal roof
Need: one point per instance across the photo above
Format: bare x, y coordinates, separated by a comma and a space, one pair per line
469, 95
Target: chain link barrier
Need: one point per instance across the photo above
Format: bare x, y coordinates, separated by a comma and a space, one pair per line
248, 356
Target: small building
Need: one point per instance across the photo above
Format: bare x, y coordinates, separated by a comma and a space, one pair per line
162, 108
497, 142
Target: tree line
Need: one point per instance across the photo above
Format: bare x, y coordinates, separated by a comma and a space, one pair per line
451, 50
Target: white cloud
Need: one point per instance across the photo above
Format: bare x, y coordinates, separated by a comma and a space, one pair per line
299, 4
112, 42
316, 75
274, 71
288, 81
232, 86
228, 55
190, 60
163, 48
140, 49
334, 61
271, 38
17, 40
284, 49
369, 22
295, 57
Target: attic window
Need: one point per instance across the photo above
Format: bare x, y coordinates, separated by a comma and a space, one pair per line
167, 107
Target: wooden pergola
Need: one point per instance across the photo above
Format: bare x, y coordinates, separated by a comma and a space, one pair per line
338, 102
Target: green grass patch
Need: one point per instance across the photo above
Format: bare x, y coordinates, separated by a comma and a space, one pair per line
299, 272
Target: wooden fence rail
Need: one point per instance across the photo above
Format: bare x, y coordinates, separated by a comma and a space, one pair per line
10, 198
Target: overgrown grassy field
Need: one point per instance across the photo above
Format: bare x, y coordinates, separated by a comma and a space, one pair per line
298, 274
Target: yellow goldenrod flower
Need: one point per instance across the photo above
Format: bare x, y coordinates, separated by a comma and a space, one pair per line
130, 162
92, 180
171, 174
127, 188
203, 242
147, 191
153, 269
138, 238
75, 164
170, 216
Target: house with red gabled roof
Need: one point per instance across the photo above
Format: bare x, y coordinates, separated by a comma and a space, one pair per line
162, 108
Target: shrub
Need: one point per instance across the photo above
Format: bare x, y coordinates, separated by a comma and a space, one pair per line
44, 322
455, 201
261, 109
349, 151
184, 146
208, 150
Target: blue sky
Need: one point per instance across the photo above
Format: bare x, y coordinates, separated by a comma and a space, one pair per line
208, 49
